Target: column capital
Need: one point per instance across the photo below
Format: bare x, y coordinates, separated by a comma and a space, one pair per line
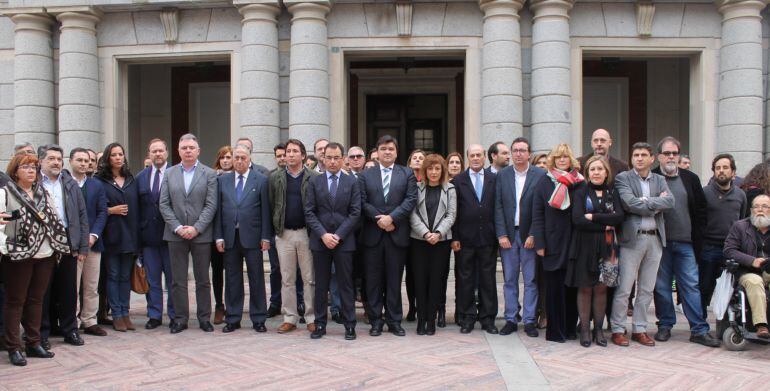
29, 19
731, 9
492, 8
265, 10
308, 9
82, 18
543, 8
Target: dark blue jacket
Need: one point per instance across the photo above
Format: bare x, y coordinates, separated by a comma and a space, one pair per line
338, 216
121, 234
505, 202
402, 198
96, 208
252, 213
475, 222
151, 223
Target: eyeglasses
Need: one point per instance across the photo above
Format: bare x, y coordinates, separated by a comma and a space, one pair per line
519, 150
355, 156
669, 153
761, 207
28, 167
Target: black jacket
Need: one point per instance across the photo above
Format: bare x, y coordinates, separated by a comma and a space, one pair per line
402, 198
475, 222
696, 205
551, 227
121, 234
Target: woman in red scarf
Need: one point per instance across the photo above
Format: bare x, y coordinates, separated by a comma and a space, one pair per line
551, 227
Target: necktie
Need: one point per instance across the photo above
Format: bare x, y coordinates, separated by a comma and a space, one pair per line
156, 185
386, 184
239, 189
478, 185
333, 187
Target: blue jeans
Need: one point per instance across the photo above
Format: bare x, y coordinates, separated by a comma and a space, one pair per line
678, 261
514, 259
119, 268
711, 262
157, 264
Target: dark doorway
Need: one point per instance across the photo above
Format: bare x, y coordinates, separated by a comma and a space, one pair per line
416, 121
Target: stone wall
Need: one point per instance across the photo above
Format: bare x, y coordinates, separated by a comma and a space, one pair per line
617, 19
6, 90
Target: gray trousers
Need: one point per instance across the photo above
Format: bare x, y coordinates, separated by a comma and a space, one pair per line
639, 261
180, 261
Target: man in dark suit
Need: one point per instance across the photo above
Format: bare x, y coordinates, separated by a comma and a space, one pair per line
388, 193
332, 211
475, 244
243, 230
188, 204
155, 256
89, 270
513, 218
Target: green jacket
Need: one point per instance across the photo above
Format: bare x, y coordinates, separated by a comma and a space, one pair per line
278, 196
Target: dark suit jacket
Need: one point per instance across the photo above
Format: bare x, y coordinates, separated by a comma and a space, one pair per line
76, 213
505, 202
151, 223
338, 216
475, 222
121, 234
551, 227
96, 208
252, 213
696, 206
402, 198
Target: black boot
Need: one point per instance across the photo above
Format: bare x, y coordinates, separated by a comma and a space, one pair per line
441, 317
410, 316
430, 327
17, 359
420, 327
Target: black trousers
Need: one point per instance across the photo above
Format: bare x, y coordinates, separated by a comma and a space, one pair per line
60, 300
411, 294
429, 263
560, 306
384, 271
469, 263
218, 275
234, 295
343, 266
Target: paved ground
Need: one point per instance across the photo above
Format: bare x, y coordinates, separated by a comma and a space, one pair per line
156, 360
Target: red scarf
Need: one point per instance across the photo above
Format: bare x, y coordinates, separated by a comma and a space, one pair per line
563, 181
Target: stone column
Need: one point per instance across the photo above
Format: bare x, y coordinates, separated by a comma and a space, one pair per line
740, 113
79, 103
33, 92
308, 71
551, 94
501, 91
260, 108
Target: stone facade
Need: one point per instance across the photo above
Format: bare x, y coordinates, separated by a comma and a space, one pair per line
62, 76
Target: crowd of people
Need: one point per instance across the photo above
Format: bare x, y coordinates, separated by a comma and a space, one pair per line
591, 237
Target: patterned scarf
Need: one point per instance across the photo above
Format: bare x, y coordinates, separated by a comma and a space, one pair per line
563, 181
37, 222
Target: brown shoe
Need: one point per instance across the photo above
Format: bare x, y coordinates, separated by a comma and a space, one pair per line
219, 315
643, 339
118, 325
762, 332
311, 327
286, 327
127, 323
619, 339
95, 330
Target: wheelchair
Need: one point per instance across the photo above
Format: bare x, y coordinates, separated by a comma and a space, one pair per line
736, 328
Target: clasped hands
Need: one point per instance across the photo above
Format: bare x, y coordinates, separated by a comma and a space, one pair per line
187, 232
385, 222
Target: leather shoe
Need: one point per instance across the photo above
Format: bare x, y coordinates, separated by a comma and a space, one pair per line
490, 329
312, 327
206, 326
318, 331
441, 319
95, 330
350, 333
286, 327
127, 322
46, 344
421, 325
17, 359
219, 315
376, 329
762, 332
396, 329
273, 311
117, 325
619, 339
643, 339
39, 352
531, 330
430, 327
152, 324
230, 327
177, 328
663, 334
705, 340
466, 329
509, 328
73, 338
259, 327
336, 317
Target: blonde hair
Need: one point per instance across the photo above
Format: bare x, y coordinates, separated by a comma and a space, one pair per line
562, 150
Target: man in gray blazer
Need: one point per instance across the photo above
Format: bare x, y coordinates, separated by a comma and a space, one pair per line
243, 230
644, 195
188, 204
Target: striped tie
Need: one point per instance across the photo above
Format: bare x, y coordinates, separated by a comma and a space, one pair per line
386, 184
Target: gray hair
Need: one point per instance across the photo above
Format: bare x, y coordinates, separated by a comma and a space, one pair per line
188, 136
243, 147
42, 151
19, 147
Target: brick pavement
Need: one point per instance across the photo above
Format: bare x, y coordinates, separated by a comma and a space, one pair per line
157, 360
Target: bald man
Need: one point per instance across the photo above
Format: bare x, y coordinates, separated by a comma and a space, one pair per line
601, 141
475, 244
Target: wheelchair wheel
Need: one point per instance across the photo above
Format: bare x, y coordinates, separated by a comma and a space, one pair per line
733, 340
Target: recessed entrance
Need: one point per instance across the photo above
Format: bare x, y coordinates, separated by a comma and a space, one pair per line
416, 121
